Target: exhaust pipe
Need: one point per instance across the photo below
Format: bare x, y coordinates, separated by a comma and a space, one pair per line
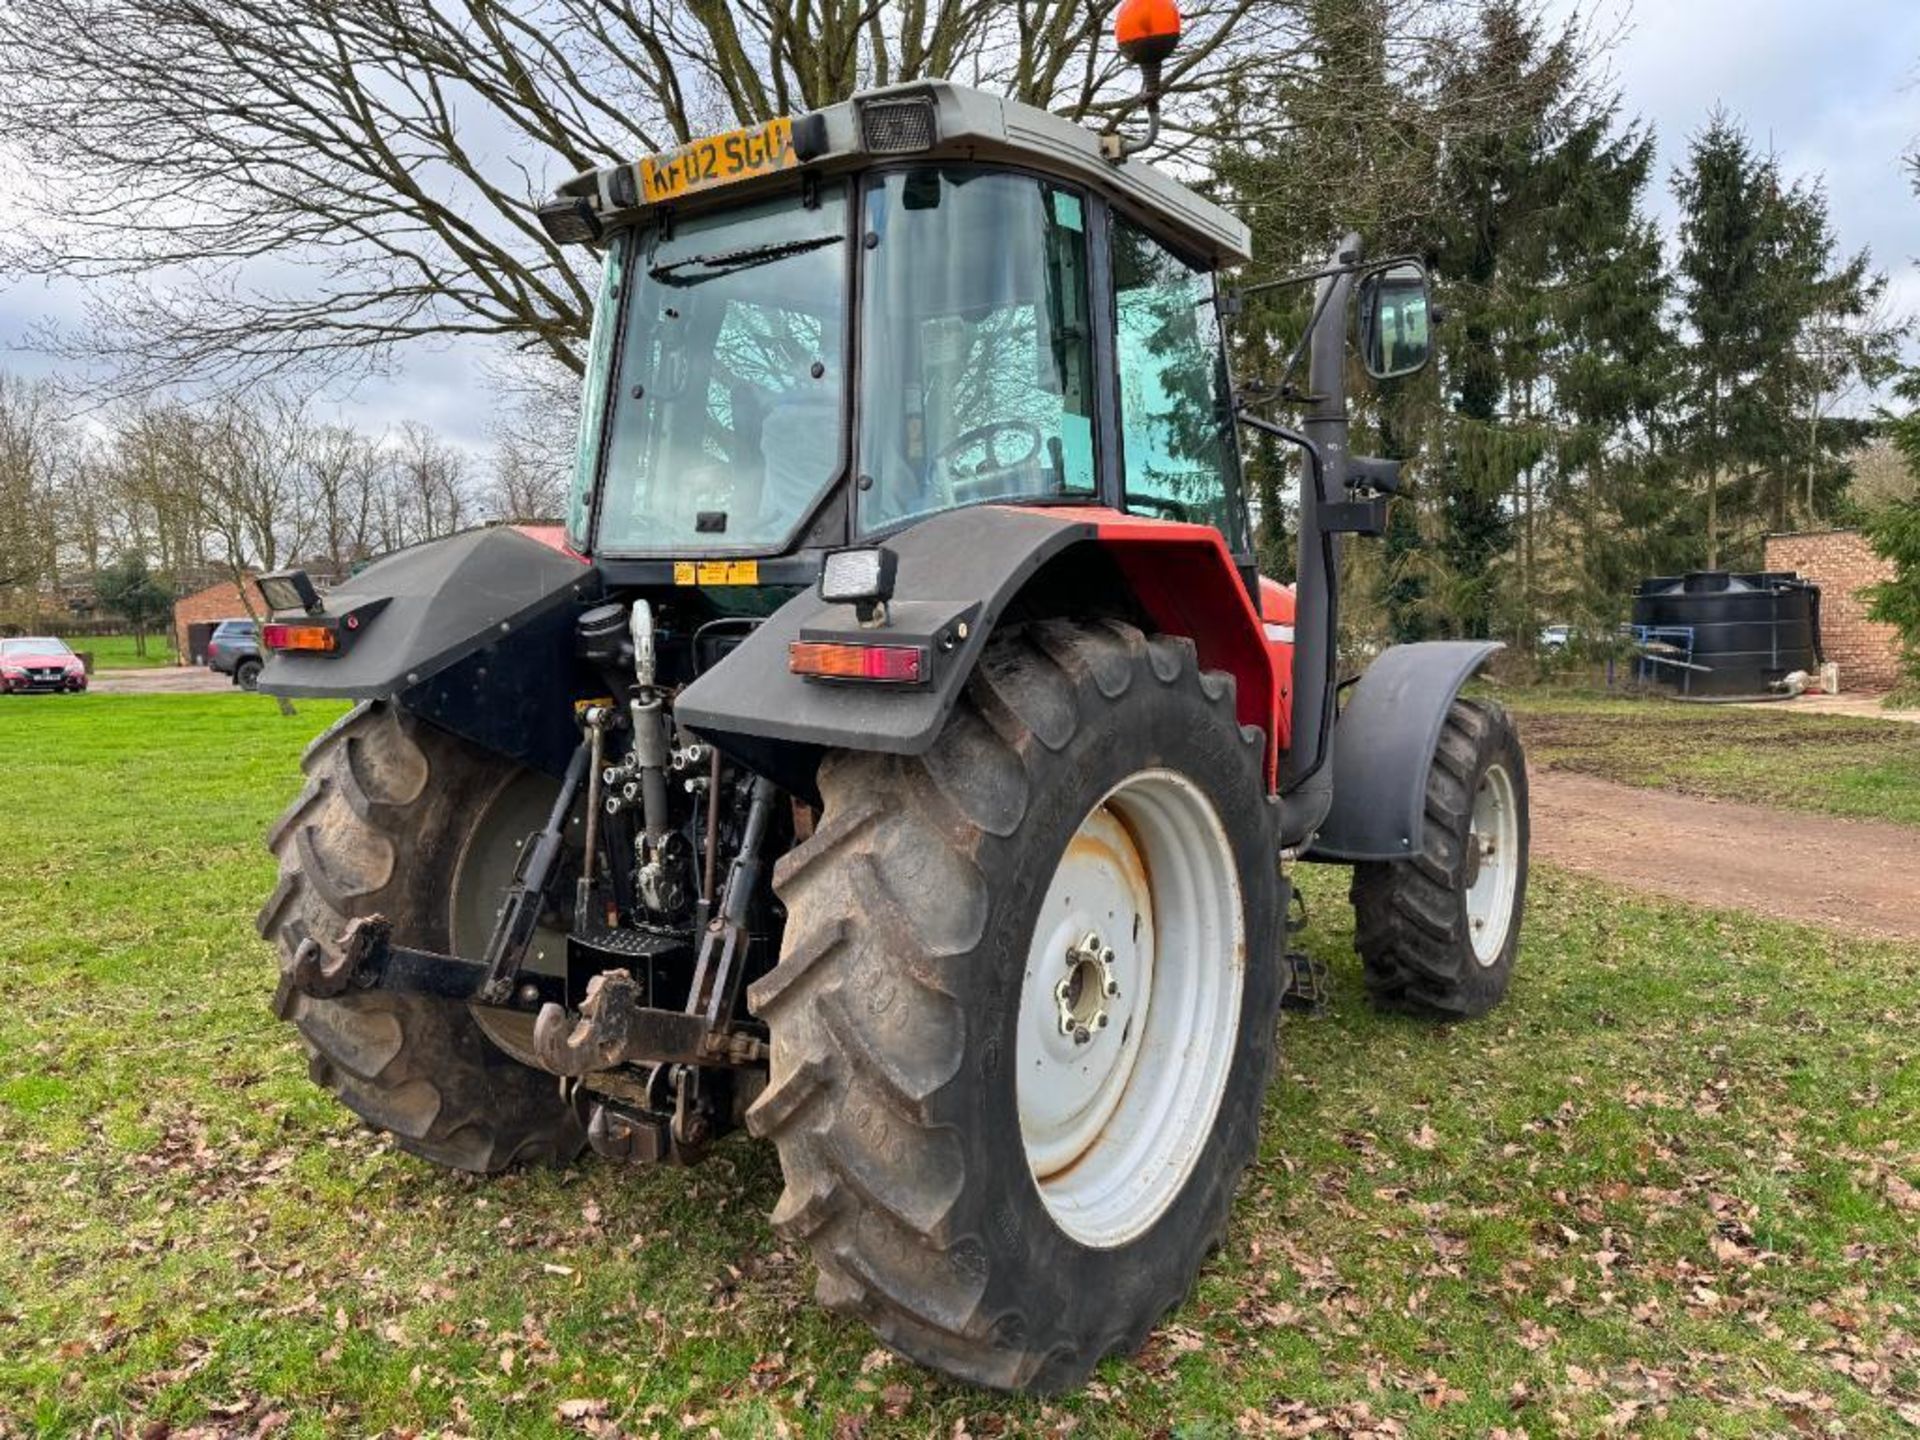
1306, 780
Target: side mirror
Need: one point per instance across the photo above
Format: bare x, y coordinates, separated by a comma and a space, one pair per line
1395, 316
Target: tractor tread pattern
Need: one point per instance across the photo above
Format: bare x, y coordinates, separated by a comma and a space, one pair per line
1410, 922
377, 806
869, 1040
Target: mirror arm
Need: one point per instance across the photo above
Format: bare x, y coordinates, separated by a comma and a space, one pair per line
1350, 263
1281, 432
1257, 393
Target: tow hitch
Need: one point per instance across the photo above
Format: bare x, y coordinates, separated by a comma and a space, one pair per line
615, 1026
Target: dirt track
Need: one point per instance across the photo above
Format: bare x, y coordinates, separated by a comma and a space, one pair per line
1855, 875
161, 680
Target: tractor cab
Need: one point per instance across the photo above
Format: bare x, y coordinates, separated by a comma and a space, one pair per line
814, 333
897, 756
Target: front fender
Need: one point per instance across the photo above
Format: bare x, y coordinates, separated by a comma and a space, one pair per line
1383, 745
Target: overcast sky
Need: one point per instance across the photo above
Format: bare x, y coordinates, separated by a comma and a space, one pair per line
1832, 86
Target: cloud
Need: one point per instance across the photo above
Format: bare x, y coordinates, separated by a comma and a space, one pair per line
1833, 89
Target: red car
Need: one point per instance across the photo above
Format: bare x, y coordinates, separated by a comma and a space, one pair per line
39, 662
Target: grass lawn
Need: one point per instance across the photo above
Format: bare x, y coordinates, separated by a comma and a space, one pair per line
1672, 1189
1834, 763
116, 652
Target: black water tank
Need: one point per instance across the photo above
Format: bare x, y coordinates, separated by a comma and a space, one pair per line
1748, 630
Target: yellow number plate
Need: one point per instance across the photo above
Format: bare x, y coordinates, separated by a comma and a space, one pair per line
718, 160
716, 572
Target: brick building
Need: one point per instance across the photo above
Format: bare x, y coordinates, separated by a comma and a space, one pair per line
1841, 562
195, 615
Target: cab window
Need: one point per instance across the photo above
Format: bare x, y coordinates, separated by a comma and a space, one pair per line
593, 392
727, 423
977, 358
1176, 408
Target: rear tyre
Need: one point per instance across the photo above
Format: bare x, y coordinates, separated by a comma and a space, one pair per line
1024, 1015
1437, 934
247, 674
380, 829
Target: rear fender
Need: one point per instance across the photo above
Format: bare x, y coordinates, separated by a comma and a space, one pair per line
960, 573
1383, 745
474, 632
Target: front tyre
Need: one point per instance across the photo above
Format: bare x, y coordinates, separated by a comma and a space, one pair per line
1437, 934
1024, 1015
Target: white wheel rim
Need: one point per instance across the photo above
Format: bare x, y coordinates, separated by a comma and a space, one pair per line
1146, 897
1495, 834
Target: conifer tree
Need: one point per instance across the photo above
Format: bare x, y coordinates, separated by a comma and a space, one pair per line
1758, 288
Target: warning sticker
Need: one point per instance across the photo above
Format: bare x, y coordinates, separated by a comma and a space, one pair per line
716, 572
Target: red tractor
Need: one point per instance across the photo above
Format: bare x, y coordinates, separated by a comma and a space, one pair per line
898, 753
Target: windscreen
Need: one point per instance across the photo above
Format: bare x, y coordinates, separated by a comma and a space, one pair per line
976, 359
725, 422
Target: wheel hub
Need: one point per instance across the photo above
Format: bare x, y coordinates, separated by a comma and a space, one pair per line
1491, 869
1083, 992
1470, 863
1129, 1008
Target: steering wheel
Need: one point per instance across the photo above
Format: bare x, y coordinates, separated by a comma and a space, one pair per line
975, 483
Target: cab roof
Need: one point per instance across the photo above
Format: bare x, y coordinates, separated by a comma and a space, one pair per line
933, 120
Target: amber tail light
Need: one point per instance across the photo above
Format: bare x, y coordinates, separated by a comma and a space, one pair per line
300, 637
886, 664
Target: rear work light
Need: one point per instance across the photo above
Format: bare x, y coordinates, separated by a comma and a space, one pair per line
897, 127
887, 664
570, 221
299, 637
289, 590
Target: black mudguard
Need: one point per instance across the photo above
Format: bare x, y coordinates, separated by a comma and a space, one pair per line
474, 633
958, 572
1383, 745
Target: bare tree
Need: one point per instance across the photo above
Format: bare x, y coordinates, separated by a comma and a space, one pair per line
152, 478
429, 495
1881, 479
391, 151
1843, 354
345, 471
534, 428
84, 512
35, 448
260, 500
527, 483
